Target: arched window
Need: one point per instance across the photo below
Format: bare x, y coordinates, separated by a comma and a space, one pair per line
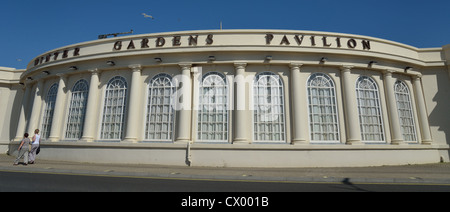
213, 108
160, 112
405, 113
50, 101
77, 109
323, 118
369, 109
114, 109
268, 110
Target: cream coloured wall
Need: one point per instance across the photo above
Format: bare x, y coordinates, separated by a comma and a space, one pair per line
436, 89
11, 94
244, 52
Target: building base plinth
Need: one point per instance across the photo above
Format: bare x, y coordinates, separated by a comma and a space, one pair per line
251, 155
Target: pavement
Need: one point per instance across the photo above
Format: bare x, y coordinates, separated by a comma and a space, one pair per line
438, 173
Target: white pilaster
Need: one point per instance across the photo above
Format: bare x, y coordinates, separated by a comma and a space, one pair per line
421, 110
21, 125
55, 132
91, 108
185, 110
394, 123
240, 111
134, 104
299, 107
350, 107
33, 123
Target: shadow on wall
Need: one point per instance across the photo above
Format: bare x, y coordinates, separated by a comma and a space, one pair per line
14, 120
440, 115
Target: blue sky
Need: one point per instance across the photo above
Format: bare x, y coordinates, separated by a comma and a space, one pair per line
32, 27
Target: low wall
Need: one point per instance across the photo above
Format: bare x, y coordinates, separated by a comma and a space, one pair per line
243, 155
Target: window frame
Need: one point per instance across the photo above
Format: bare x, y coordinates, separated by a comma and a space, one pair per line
123, 114
326, 82
405, 91
376, 99
224, 112
172, 113
80, 110
49, 109
256, 116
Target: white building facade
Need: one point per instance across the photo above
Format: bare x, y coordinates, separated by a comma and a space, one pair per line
240, 98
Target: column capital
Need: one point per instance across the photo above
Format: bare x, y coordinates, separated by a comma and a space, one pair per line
417, 76
61, 75
135, 67
39, 84
94, 71
240, 65
25, 85
185, 65
346, 68
388, 72
295, 65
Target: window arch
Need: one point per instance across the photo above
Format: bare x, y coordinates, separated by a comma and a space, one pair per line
77, 110
50, 101
323, 118
114, 109
213, 108
268, 108
369, 109
160, 112
405, 112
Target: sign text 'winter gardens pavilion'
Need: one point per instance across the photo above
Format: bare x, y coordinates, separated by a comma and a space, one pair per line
300, 40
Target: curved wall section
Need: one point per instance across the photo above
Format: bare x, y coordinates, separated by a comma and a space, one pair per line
243, 98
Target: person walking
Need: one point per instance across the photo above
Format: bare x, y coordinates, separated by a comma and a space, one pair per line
23, 150
34, 147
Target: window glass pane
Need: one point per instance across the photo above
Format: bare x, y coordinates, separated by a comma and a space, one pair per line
322, 108
369, 109
213, 94
114, 109
268, 107
50, 101
77, 110
405, 113
161, 112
